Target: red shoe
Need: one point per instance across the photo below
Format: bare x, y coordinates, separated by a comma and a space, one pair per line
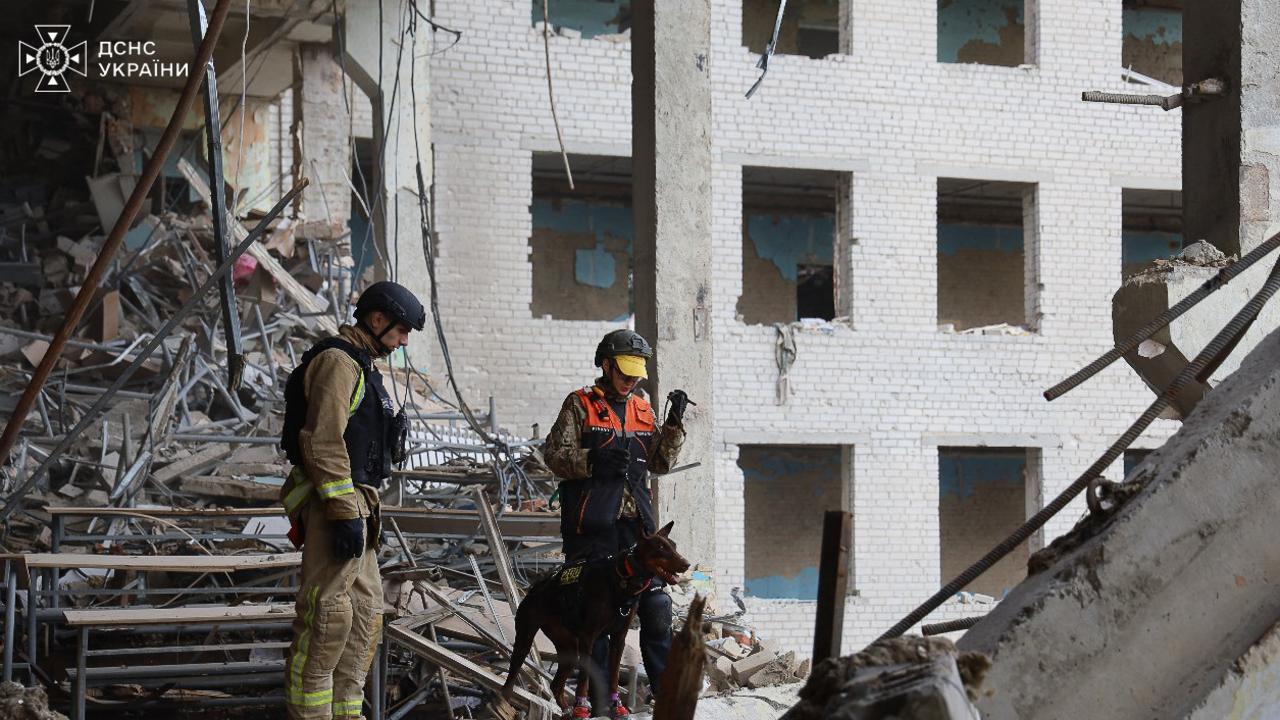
621, 711
581, 711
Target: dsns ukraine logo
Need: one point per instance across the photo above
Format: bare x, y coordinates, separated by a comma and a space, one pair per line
52, 58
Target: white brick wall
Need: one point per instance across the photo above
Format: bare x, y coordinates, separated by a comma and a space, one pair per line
889, 383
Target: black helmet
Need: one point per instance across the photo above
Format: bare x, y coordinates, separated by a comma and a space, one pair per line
622, 342
395, 300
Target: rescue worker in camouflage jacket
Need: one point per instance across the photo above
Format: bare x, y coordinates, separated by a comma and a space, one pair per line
342, 438
603, 444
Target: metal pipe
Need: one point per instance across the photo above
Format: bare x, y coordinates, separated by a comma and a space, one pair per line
197, 298
10, 602
218, 201
89, 287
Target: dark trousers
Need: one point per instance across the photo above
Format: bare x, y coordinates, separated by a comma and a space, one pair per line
654, 611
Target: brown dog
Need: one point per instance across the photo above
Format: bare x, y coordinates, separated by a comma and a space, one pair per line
581, 600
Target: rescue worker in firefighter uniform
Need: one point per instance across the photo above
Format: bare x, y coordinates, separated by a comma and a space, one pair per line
603, 444
341, 436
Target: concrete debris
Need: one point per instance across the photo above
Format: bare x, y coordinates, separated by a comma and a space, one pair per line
19, 703
1147, 294
1203, 254
1171, 591
184, 465
908, 677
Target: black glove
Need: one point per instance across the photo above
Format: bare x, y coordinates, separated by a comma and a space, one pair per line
608, 461
679, 401
349, 538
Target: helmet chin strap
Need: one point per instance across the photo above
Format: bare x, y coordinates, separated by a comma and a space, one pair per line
377, 337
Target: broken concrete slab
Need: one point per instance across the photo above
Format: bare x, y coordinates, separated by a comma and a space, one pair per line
1171, 590
1147, 294
1251, 687
905, 677
748, 666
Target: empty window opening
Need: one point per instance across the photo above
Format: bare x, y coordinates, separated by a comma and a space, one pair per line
982, 260
1151, 228
982, 498
1153, 40
787, 490
604, 19
987, 32
581, 246
788, 241
809, 27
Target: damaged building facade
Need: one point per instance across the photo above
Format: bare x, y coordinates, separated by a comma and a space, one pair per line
917, 227
915, 194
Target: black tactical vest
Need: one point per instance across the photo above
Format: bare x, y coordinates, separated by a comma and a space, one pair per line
368, 449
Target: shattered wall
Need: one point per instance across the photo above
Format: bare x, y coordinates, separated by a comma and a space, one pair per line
787, 490
255, 148
875, 383
988, 32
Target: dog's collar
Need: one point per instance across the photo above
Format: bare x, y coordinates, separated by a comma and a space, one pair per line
626, 574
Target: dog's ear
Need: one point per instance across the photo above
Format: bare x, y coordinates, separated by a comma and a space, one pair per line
666, 529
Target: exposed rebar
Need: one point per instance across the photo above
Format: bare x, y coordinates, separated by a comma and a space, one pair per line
1210, 286
1222, 342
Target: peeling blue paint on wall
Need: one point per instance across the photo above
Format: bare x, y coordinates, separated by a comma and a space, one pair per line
590, 17
1160, 26
1143, 247
825, 471
791, 240
960, 474
595, 267
963, 21
988, 238
802, 586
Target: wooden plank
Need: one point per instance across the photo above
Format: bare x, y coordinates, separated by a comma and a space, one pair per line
833, 585
172, 563
179, 616
682, 680
459, 665
294, 289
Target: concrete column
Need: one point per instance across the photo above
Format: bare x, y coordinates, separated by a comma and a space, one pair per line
671, 148
1231, 144
391, 86
324, 148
